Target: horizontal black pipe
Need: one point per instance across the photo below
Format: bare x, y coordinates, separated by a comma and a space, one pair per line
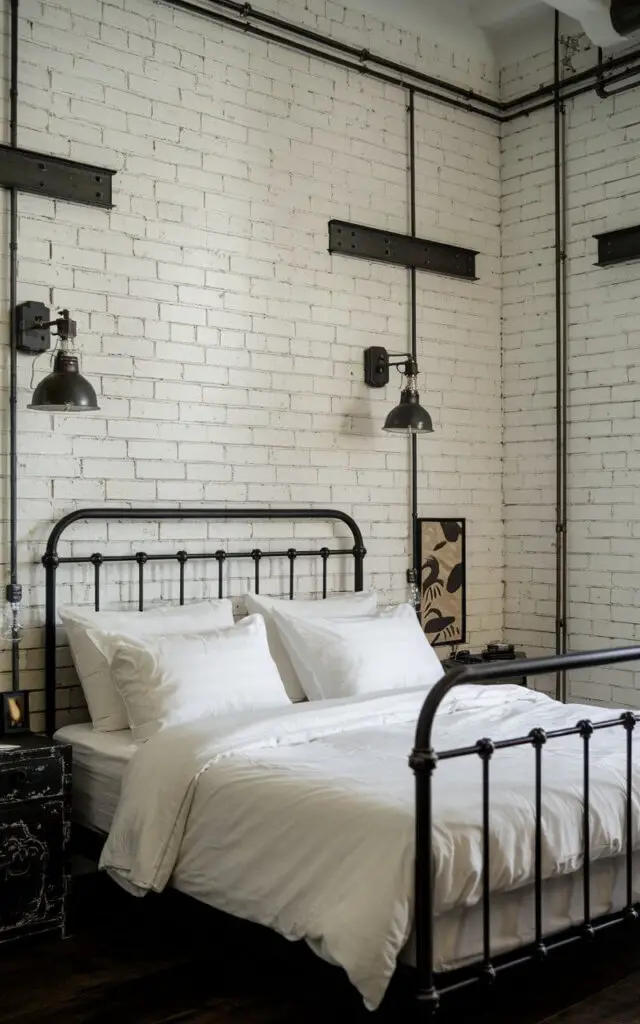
588, 75
450, 94
348, 65
572, 93
503, 672
353, 51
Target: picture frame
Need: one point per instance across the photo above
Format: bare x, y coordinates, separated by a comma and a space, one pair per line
14, 712
442, 560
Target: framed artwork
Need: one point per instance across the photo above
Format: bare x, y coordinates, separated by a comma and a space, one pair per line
443, 583
15, 712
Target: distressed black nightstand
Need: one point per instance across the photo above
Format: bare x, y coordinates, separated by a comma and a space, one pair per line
476, 657
35, 828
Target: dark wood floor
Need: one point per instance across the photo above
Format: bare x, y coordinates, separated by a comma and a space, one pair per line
162, 959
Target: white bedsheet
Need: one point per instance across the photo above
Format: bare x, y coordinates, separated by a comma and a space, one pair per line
304, 817
99, 762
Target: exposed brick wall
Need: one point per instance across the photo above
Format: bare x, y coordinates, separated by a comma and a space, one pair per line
603, 190
224, 341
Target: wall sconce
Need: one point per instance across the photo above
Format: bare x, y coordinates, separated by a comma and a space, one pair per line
409, 416
64, 389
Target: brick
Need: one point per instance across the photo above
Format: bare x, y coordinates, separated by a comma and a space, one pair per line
226, 344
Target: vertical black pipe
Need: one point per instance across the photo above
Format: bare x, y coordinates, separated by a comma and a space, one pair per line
564, 611
13, 591
414, 329
561, 370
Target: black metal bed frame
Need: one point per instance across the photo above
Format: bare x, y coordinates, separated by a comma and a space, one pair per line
429, 985
52, 560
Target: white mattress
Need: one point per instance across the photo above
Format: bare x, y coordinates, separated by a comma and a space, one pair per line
99, 760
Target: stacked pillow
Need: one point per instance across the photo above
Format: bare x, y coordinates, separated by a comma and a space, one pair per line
344, 606
86, 630
169, 665
349, 657
169, 680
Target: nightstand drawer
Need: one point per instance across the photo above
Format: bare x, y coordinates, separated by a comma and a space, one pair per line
32, 867
36, 778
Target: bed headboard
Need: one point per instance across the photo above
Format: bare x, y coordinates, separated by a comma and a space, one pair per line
52, 560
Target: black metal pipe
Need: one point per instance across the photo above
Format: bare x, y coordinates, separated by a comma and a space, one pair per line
564, 537
413, 289
361, 69
245, 14
548, 91
568, 95
561, 366
354, 51
449, 94
601, 85
14, 593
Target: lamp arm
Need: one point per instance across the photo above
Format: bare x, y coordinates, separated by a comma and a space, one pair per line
407, 362
67, 327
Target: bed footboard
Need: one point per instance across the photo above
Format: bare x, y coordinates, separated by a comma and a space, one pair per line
424, 761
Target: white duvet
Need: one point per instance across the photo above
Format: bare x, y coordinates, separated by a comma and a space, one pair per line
306, 814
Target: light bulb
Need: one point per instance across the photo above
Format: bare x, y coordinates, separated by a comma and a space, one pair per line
12, 626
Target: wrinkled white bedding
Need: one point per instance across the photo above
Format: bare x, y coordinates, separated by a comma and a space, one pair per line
310, 814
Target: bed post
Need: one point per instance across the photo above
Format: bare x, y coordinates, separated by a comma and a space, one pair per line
423, 764
50, 562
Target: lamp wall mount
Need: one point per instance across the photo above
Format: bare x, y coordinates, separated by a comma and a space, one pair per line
34, 327
377, 363
376, 367
34, 334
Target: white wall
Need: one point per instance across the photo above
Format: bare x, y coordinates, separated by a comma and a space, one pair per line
225, 343
603, 186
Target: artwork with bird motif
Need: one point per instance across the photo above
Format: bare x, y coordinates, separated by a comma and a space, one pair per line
442, 560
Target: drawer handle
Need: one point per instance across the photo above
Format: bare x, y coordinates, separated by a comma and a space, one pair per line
18, 775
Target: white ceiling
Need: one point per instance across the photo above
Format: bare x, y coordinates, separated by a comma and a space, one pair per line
482, 26
490, 27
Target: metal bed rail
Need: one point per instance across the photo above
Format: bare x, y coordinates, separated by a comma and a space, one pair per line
424, 760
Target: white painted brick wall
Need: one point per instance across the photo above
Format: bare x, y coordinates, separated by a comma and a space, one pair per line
603, 186
225, 343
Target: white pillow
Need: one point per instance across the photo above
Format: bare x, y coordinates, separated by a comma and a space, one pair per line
105, 705
167, 680
343, 606
349, 657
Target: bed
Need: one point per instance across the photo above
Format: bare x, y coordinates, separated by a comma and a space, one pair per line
292, 817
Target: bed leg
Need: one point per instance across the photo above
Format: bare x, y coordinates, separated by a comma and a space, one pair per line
429, 1001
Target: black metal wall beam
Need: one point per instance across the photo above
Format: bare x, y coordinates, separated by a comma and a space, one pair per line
621, 246
55, 177
401, 250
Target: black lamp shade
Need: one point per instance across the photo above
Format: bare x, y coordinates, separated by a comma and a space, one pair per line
64, 389
409, 416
